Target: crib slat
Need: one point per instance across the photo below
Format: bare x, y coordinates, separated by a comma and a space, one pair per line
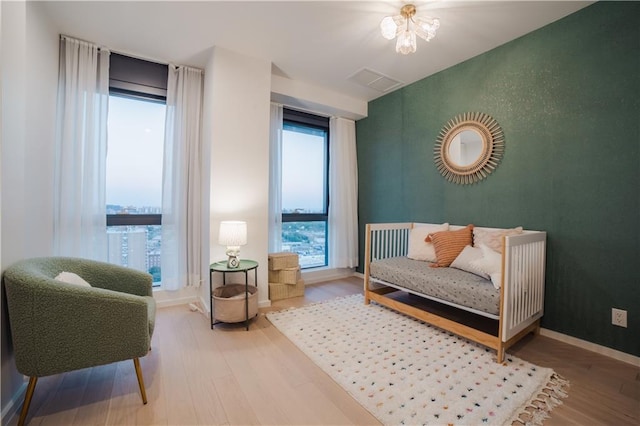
524, 283
392, 241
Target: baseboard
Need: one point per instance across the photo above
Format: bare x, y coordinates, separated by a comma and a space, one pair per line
310, 277
204, 306
184, 296
10, 410
593, 347
175, 302
326, 274
199, 301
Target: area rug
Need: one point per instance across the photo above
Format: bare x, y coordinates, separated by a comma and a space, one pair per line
404, 371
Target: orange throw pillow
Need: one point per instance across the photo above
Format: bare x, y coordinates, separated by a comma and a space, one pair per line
449, 244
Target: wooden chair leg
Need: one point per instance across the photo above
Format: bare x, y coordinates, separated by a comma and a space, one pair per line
27, 400
136, 363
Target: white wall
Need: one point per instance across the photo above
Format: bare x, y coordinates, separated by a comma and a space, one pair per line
14, 100
236, 119
13, 118
307, 97
42, 93
29, 79
30, 70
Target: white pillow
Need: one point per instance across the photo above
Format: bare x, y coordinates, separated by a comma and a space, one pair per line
419, 249
490, 264
465, 259
493, 238
71, 278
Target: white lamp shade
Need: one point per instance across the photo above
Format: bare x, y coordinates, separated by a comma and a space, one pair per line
426, 27
233, 233
388, 28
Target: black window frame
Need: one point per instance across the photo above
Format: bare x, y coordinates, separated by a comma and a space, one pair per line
304, 119
141, 80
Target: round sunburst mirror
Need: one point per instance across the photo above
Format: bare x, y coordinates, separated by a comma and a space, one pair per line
469, 147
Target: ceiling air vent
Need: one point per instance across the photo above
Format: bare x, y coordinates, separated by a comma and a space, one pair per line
375, 80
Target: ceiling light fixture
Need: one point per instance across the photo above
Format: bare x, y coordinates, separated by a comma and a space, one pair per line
406, 26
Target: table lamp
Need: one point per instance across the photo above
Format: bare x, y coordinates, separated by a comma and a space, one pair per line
233, 234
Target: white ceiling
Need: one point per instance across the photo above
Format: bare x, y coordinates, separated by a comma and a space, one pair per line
321, 43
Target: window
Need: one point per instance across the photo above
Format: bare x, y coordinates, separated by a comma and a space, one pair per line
134, 163
305, 195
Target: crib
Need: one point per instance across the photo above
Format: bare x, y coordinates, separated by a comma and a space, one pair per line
521, 302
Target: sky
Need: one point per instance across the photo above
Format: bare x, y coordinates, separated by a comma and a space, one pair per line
303, 171
135, 156
135, 152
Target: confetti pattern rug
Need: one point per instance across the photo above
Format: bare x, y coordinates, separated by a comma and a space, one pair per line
404, 371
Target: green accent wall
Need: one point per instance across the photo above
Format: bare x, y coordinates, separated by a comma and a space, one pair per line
568, 99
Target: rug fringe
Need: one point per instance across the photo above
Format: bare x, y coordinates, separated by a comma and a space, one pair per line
545, 399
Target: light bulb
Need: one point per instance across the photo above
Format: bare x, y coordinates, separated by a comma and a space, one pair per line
406, 42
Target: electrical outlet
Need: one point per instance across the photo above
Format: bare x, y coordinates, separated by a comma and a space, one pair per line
619, 317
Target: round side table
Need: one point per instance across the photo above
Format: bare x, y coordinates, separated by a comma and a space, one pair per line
245, 266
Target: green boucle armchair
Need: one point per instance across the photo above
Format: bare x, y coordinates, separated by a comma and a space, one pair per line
58, 327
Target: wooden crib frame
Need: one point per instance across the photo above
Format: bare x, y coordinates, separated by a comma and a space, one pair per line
521, 292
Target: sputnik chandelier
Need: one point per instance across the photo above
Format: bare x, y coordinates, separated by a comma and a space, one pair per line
406, 26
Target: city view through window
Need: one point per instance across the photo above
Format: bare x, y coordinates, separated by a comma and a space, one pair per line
135, 246
134, 186
308, 239
304, 186
134, 181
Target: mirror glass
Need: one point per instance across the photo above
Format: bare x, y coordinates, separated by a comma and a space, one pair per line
466, 147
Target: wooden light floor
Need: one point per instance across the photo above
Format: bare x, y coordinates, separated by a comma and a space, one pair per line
196, 376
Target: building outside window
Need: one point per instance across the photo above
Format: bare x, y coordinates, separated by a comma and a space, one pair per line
305, 161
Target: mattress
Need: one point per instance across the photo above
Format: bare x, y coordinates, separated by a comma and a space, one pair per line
447, 284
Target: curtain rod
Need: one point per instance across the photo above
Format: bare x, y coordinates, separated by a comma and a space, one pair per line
79, 40
66, 37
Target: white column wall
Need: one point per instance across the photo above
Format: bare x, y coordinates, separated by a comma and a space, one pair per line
29, 73
13, 130
236, 128
42, 92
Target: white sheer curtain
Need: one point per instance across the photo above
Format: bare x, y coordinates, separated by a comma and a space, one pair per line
275, 179
80, 216
181, 181
343, 194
